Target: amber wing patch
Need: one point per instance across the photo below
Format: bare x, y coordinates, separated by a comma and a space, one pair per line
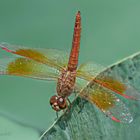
20, 66
30, 53
103, 99
111, 84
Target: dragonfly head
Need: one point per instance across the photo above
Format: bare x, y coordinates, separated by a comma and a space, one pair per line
58, 103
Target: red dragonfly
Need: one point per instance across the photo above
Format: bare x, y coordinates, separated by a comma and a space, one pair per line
50, 64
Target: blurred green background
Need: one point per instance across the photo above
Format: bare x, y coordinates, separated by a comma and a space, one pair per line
110, 32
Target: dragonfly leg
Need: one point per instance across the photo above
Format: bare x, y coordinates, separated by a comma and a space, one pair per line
57, 115
81, 104
69, 101
69, 105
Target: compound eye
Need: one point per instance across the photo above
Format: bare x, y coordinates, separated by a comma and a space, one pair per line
53, 99
62, 102
54, 104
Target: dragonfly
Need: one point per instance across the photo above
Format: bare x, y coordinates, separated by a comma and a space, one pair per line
86, 81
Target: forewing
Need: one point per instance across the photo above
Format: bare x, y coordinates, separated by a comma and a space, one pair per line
20, 66
80, 84
94, 72
89, 70
107, 102
115, 84
51, 57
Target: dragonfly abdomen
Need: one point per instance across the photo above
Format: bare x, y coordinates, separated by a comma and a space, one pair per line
73, 60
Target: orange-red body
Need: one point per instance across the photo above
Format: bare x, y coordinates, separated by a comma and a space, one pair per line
67, 78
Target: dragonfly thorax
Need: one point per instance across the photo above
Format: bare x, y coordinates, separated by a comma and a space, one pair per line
66, 82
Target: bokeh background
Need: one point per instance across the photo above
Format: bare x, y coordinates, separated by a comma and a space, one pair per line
110, 32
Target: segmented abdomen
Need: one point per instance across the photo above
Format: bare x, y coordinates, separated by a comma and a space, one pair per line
73, 60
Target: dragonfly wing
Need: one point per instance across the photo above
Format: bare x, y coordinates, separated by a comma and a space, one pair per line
89, 70
96, 73
80, 84
115, 84
104, 99
20, 66
107, 102
51, 57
